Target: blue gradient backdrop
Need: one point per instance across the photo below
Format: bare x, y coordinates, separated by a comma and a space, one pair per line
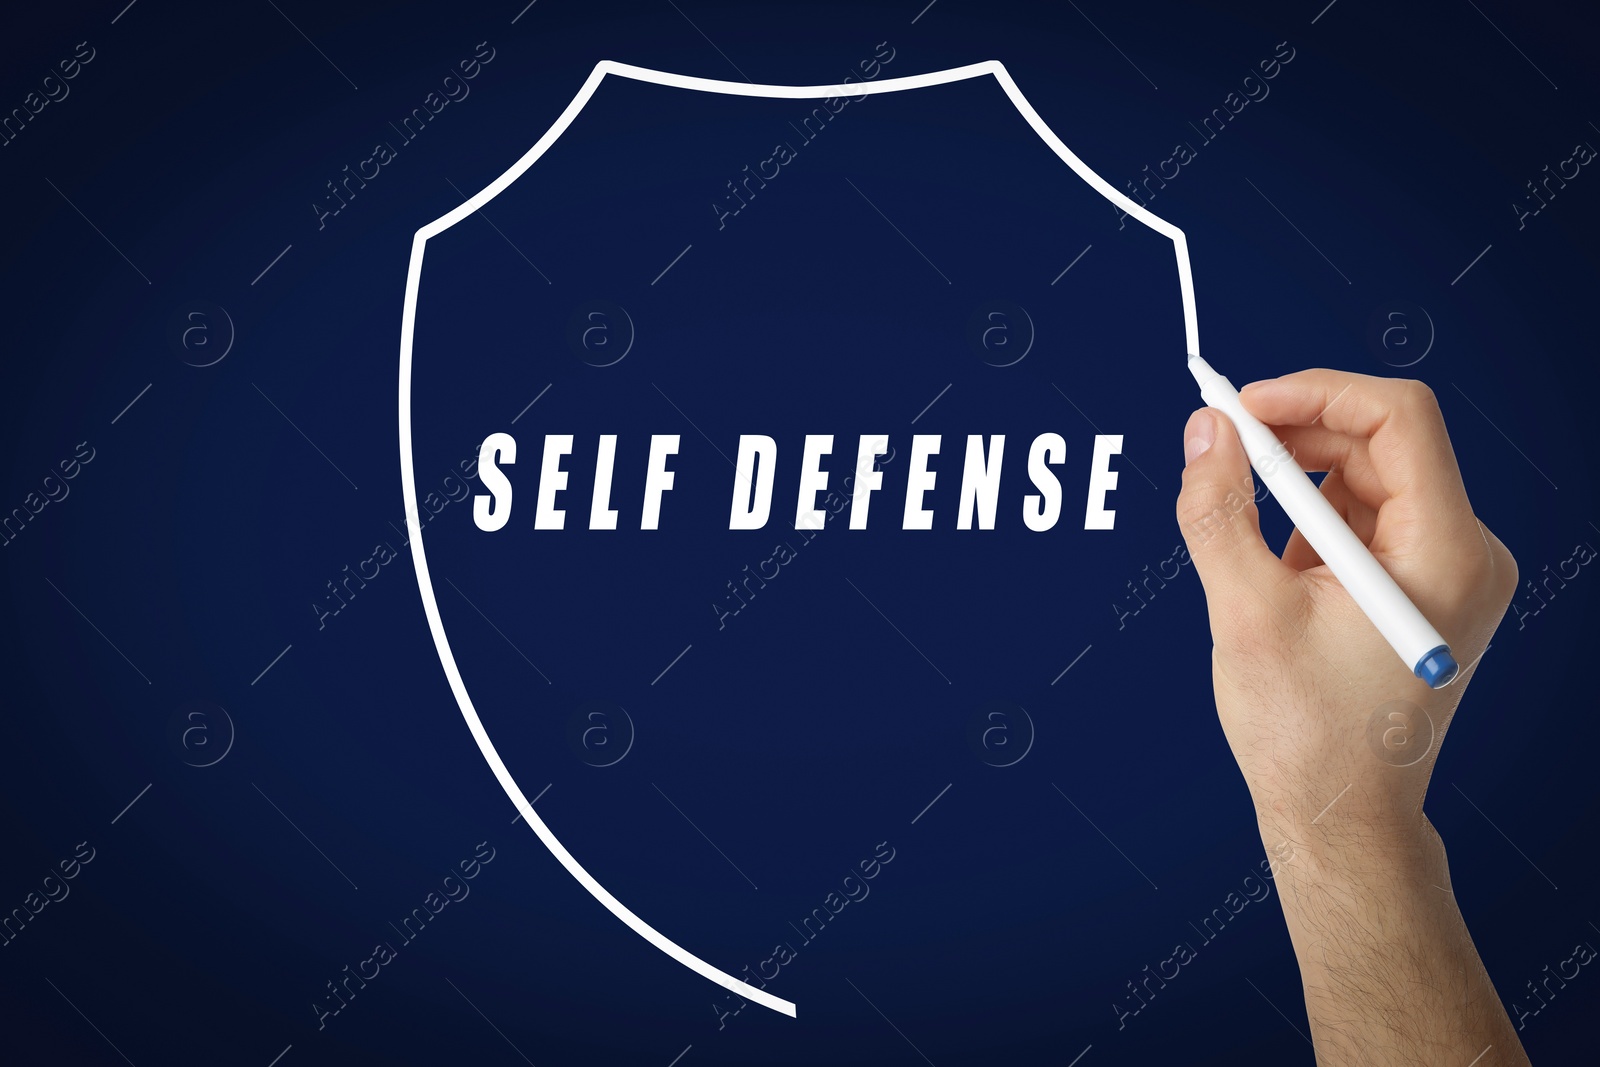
805, 735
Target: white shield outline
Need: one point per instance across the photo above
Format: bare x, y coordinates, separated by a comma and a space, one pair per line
407, 473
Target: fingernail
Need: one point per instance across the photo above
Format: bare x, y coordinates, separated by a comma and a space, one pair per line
1198, 435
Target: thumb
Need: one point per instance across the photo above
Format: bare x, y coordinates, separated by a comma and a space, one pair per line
1218, 517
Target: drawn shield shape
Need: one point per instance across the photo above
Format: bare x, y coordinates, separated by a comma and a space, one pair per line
797, 299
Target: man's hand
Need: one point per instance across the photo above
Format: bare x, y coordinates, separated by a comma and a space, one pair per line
1335, 736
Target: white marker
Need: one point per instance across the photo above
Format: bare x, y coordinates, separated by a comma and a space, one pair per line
1373, 590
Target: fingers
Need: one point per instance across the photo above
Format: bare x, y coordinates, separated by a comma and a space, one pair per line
1317, 448
1358, 515
1217, 513
1400, 421
1394, 453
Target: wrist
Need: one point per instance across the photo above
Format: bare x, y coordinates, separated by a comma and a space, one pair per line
1352, 854
1378, 884
1389, 971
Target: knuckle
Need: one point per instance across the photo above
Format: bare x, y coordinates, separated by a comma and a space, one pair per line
1206, 509
1418, 397
1496, 569
1506, 575
1510, 575
1199, 497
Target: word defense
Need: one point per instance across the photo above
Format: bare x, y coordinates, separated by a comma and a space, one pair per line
756, 471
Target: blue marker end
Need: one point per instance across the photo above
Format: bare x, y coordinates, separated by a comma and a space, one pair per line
1438, 668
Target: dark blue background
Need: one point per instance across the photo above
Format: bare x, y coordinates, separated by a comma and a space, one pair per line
808, 731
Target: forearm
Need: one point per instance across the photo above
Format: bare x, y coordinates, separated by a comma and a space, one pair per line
1389, 970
